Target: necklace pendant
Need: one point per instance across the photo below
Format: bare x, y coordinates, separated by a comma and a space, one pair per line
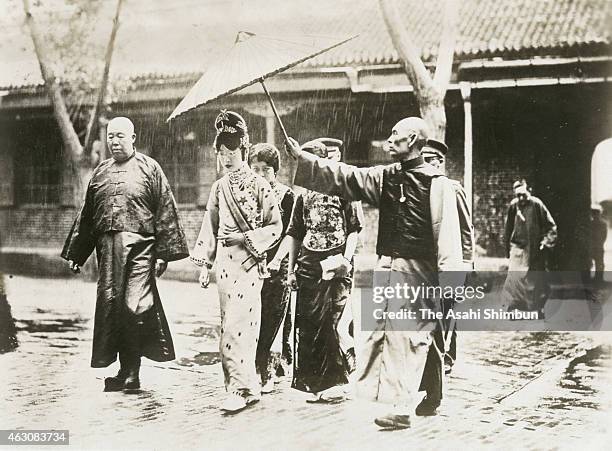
402, 199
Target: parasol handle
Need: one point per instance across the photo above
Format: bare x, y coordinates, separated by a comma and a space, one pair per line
278, 118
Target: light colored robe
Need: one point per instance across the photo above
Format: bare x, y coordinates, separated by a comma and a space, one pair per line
238, 280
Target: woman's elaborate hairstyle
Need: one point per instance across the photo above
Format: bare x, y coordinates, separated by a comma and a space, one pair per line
266, 153
232, 131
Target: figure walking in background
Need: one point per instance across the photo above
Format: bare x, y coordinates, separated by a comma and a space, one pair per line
322, 237
130, 218
530, 232
264, 160
242, 221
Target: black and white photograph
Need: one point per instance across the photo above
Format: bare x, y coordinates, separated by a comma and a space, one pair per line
306, 224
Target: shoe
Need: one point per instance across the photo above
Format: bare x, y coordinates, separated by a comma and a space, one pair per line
448, 368
132, 381
334, 394
448, 364
393, 421
233, 403
268, 387
115, 383
251, 399
427, 407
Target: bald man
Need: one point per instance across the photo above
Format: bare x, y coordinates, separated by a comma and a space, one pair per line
418, 237
130, 218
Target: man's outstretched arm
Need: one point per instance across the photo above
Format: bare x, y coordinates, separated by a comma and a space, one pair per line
337, 179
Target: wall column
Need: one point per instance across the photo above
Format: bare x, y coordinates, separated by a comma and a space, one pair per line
466, 94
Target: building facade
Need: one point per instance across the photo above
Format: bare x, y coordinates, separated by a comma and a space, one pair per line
521, 104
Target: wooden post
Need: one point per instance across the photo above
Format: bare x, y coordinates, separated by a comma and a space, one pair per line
270, 128
466, 93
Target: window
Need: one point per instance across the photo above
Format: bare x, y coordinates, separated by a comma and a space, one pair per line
180, 164
38, 166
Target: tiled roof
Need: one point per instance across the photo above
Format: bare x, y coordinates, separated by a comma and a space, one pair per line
165, 38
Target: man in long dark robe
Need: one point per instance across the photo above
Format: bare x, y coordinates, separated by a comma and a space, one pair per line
418, 236
130, 218
530, 230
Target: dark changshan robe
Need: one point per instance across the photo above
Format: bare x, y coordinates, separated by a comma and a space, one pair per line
322, 224
275, 313
130, 218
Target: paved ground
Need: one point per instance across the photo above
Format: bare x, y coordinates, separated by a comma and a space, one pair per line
543, 390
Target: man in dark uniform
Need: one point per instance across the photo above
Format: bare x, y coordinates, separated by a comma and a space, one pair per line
418, 237
434, 153
130, 218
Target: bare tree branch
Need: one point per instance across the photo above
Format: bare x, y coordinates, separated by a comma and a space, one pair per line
93, 119
429, 95
72, 145
448, 42
54, 89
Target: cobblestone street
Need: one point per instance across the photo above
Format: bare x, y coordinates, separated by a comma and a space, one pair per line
542, 390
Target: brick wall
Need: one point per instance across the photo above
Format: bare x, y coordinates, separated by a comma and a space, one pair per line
47, 227
493, 181
32, 227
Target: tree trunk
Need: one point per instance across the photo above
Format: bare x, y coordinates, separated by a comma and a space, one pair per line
93, 120
429, 92
72, 145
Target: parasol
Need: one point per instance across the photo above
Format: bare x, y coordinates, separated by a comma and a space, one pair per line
252, 59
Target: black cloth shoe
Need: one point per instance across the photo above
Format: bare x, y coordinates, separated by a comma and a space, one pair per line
393, 421
132, 381
427, 407
115, 383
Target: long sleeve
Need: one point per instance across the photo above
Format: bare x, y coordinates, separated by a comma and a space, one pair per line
296, 228
170, 241
205, 250
446, 225
355, 220
259, 240
81, 240
549, 227
287, 208
339, 179
509, 227
465, 223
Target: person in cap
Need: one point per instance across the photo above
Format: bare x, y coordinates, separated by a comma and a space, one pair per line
322, 238
599, 233
417, 212
130, 218
445, 338
242, 221
529, 232
264, 160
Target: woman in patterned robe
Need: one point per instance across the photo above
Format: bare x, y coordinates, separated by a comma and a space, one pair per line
242, 221
321, 227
